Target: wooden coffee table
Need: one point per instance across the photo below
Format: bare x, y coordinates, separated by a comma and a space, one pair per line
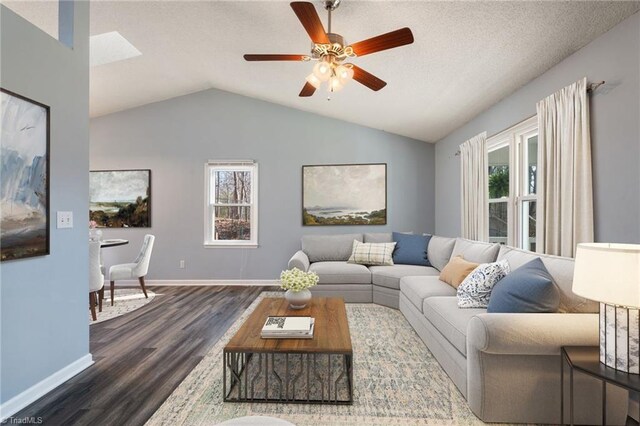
317, 370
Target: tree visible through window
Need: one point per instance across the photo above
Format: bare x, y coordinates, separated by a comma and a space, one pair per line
498, 181
232, 204
499, 195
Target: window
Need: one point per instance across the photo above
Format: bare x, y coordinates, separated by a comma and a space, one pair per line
231, 211
513, 167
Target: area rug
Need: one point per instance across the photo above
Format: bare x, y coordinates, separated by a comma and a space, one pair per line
125, 300
396, 381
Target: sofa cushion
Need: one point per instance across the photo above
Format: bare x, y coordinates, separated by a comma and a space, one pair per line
456, 271
381, 237
443, 313
475, 251
389, 276
528, 289
439, 251
378, 237
411, 249
475, 290
321, 248
372, 253
341, 273
561, 270
416, 289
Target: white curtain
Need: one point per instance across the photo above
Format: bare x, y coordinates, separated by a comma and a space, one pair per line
565, 195
475, 188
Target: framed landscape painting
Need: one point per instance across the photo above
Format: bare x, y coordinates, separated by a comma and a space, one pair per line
24, 177
120, 198
344, 194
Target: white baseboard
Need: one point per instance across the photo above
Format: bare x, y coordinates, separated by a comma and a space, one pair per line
43, 387
192, 283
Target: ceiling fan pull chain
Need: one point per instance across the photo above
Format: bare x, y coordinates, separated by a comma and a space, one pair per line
329, 26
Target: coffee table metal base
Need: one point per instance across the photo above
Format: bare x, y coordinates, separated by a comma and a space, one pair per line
303, 378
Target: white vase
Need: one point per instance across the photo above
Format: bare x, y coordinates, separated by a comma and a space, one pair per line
298, 299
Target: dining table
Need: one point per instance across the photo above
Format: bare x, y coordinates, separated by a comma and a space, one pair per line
113, 243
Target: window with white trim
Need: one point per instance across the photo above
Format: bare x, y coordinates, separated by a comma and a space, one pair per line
231, 209
513, 169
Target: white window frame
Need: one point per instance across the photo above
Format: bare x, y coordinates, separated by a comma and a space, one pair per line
209, 206
494, 143
515, 137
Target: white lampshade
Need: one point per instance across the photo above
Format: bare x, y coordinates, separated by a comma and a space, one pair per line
313, 80
608, 273
344, 73
322, 70
335, 84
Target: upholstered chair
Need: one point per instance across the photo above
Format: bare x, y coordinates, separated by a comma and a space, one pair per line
96, 279
138, 269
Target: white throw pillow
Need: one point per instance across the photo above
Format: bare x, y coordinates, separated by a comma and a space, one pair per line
379, 254
475, 290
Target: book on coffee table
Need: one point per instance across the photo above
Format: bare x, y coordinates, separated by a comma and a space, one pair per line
288, 328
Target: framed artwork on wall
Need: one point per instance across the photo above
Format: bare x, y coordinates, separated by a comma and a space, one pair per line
120, 198
344, 194
24, 177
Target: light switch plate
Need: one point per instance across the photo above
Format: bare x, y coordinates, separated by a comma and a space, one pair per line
65, 220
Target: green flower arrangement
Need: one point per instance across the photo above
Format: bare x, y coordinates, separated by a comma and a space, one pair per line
297, 280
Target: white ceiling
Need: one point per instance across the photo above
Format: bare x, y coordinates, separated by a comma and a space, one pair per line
466, 56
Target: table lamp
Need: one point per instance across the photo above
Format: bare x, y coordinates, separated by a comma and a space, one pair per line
610, 274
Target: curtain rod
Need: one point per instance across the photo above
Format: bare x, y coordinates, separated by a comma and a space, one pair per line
591, 87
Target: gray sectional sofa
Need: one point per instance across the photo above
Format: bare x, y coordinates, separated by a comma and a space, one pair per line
507, 366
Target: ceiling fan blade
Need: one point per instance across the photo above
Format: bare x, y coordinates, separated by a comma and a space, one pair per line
386, 41
307, 90
367, 79
274, 57
306, 13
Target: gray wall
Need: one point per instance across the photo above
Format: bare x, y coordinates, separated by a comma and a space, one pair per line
615, 114
175, 138
43, 300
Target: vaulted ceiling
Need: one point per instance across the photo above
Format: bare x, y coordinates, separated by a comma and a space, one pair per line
466, 56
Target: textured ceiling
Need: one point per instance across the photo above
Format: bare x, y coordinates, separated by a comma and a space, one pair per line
466, 55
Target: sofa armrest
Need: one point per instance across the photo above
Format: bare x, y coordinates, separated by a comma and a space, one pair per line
299, 260
531, 334
513, 369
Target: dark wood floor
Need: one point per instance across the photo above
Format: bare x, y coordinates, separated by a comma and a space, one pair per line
141, 357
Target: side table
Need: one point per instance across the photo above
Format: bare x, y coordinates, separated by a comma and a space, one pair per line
586, 359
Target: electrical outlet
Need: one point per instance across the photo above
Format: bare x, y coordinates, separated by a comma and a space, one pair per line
182, 264
65, 219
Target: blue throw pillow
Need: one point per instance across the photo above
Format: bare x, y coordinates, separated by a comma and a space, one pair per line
528, 289
411, 249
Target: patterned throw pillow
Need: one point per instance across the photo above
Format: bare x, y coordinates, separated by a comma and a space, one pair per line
475, 290
379, 254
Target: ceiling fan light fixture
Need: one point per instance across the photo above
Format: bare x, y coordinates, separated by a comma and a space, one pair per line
335, 85
313, 80
322, 70
344, 74
331, 51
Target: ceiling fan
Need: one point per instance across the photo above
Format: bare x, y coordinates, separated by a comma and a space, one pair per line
331, 51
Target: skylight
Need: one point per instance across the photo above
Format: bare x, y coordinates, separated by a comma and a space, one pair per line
110, 47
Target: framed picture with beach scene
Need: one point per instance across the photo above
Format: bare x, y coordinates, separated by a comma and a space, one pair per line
344, 194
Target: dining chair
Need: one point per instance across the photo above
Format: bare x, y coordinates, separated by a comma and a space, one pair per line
138, 269
96, 279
